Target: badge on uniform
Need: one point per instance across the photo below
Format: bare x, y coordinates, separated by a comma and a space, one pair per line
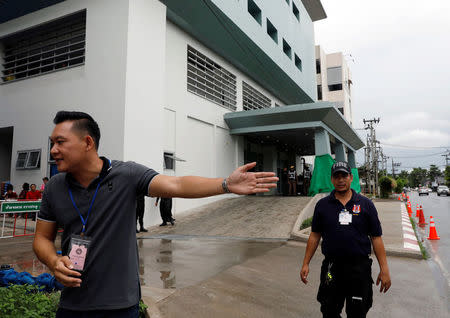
356, 209
345, 217
78, 250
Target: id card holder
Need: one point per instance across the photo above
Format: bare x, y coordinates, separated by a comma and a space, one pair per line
78, 251
345, 217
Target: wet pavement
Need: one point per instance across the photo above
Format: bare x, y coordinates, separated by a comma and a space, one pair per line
181, 262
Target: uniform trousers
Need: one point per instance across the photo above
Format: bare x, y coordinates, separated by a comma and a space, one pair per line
346, 280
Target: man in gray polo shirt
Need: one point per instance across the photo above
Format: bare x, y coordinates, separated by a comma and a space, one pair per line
94, 199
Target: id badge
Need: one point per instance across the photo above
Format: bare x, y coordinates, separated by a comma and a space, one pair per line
345, 217
78, 251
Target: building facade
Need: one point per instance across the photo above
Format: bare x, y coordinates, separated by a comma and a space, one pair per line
173, 85
334, 81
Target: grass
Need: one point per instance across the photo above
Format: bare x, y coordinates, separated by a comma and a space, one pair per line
423, 250
306, 223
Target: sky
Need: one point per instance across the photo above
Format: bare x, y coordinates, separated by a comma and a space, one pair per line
400, 64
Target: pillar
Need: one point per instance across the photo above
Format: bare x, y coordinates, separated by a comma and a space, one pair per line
351, 158
339, 151
321, 142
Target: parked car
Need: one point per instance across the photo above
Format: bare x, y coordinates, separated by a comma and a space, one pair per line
443, 190
423, 191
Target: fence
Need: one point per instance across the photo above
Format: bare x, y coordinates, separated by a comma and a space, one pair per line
18, 218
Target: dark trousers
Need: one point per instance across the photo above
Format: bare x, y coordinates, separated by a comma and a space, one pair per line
165, 208
140, 208
131, 312
350, 282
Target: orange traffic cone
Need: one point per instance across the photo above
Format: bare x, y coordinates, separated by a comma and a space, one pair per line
417, 211
422, 222
407, 197
433, 234
408, 208
399, 197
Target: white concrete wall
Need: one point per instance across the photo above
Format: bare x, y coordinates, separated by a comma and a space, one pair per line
144, 89
96, 87
201, 135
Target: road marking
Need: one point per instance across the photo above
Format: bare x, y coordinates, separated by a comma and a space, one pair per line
409, 237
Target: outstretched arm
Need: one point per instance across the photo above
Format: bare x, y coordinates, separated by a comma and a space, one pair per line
240, 182
311, 246
380, 253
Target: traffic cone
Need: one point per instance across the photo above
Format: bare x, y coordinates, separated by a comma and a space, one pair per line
433, 234
399, 198
407, 197
417, 211
408, 206
422, 222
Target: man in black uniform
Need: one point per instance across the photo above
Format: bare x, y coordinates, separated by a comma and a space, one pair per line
140, 209
165, 209
347, 222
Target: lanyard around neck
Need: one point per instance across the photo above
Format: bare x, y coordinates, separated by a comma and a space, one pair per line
84, 221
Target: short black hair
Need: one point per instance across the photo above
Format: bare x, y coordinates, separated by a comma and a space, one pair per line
44, 178
9, 186
82, 122
26, 186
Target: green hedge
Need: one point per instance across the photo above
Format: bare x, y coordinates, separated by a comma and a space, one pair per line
27, 301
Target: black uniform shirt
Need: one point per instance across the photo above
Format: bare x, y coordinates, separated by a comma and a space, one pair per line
346, 240
111, 274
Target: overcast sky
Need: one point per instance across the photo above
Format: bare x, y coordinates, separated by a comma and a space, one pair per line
401, 72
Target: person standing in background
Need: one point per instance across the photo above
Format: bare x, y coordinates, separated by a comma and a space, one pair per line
140, 209
165, 208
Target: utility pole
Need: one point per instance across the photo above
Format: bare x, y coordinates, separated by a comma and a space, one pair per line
372, 155
447, 157
394, 164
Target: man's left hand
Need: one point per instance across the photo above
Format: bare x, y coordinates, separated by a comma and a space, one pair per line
243, 182
385, 280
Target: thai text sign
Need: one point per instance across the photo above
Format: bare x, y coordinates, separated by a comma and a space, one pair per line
20, 206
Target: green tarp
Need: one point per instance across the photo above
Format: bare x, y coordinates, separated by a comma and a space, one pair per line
355, 183
321, 177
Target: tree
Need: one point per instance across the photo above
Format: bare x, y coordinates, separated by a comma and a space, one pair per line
418, 176
447, 175
434, 172
400, 184
403, 175
386, 186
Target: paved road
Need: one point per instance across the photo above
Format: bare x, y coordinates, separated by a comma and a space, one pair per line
439, 250
242, 278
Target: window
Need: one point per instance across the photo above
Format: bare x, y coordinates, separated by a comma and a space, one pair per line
50, 47
334, 75
209, 80
336, 87
28, 159
169, 161
318, 68
295, 11
272, 31
319, 92
298, 62
287, 49
253, 99
254, 11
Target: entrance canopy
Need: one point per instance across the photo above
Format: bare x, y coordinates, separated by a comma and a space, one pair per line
295, 126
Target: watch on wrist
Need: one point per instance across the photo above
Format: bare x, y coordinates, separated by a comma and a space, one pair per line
225, 186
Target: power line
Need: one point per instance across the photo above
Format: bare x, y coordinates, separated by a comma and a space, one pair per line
412, 147
421, 156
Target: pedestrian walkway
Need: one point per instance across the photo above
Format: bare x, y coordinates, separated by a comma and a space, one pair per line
269, 217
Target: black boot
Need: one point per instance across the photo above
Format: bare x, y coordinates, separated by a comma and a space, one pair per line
143, 229
163, 224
